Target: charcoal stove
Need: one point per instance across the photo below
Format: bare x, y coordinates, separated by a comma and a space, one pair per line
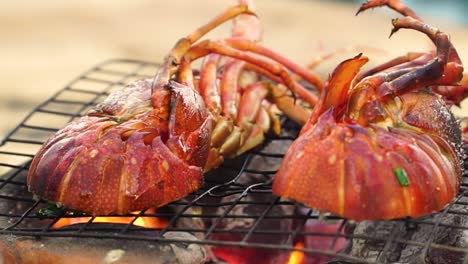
234, 218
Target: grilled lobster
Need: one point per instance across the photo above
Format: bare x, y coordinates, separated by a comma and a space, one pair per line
149, 143
380, 145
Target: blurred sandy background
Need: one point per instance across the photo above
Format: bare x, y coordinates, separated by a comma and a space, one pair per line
45, 44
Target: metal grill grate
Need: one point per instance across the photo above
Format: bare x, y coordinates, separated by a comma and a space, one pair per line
235, 208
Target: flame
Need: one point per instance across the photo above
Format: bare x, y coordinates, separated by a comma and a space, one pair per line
143, 221
297, 256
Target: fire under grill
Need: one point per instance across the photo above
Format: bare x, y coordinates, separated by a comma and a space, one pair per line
234, 218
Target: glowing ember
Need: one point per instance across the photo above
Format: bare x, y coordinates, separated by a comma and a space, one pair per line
143, 221
297, 256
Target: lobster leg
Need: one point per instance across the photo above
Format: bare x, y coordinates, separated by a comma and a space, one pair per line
250, 104
261, 125
396, 5
453, 94
252, 121
185, 74
229, 88
208, 46
247, 26
446, 66
230, 97
261, 71
208, 83
251, 117
411, 59
239, 130
227, 139
249, 109
303, 72
172, 60
255, 120
279, 96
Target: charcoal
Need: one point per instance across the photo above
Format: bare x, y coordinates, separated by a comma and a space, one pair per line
53, 250
402, 233
237, 223
333, 242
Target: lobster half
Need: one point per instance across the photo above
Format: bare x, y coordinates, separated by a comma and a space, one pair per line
149, 143
382, 144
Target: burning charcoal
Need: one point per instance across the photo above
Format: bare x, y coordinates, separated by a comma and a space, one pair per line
186, 252
240, 255
382, 252
195, 223
98, 250
242, 218
334, 242
244, 212
371, 249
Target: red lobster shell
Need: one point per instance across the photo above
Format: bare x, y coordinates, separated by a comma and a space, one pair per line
381, 147
117, 159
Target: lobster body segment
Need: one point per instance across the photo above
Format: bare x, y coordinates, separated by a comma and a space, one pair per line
125, 155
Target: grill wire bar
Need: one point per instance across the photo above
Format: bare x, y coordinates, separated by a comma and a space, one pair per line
238, 193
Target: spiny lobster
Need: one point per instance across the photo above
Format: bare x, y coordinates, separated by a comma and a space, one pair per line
149, 143
382, 144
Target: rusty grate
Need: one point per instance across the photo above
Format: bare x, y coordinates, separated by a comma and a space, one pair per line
234, 209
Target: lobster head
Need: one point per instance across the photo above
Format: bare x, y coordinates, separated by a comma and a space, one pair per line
366, 156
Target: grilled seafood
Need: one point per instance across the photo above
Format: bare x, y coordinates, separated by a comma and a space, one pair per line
380, 145
149, 143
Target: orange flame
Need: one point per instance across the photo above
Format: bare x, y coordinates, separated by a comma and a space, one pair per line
297, 256
143, 221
